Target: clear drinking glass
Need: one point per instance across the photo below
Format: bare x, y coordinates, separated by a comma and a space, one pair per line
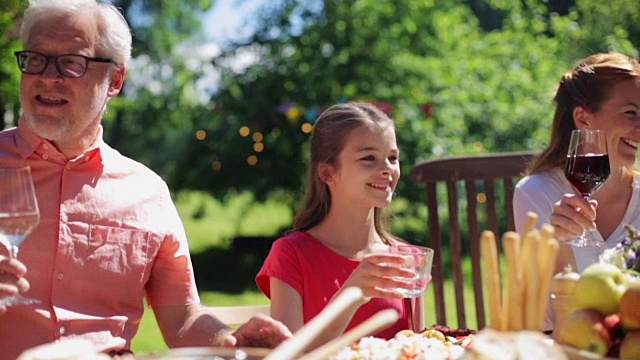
587, 167
18, 216
419, 259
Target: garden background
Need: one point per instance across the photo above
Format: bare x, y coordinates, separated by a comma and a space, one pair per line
228, 130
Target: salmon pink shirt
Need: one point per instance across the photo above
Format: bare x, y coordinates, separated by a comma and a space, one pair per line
109, 234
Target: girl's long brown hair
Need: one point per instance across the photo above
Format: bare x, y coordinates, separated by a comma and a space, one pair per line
328, 139
588, 85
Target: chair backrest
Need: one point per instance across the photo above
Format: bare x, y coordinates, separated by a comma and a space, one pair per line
238, 315
486, 207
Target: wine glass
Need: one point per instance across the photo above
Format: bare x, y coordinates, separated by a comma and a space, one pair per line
587, 167
18, 216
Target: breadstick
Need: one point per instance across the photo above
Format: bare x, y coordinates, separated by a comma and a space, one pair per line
512, 306
548, 253
489, 256
530, 279
532, 220
547, 231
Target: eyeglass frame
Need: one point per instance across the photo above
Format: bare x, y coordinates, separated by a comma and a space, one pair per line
58, 66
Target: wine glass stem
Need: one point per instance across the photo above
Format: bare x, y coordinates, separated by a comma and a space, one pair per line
13, 252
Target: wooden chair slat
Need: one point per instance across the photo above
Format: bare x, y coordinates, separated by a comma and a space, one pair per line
456, 251
494, 176
438, 267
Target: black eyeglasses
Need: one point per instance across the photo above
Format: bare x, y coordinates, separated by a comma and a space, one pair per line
68, 65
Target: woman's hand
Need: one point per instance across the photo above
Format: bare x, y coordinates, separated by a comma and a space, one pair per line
572, 215
375, 272
12, 279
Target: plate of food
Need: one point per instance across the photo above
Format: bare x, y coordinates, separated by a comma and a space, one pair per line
437, 342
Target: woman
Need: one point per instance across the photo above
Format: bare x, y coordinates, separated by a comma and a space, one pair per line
601, 92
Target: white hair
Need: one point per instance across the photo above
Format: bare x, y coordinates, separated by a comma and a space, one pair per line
114, 32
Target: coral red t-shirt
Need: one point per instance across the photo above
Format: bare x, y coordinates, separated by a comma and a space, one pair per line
317, 273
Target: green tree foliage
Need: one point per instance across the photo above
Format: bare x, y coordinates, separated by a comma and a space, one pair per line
153, 118
488, 91
10, 11
459, 77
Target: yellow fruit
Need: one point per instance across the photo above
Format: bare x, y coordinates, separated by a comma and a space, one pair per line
584, 329
600, 288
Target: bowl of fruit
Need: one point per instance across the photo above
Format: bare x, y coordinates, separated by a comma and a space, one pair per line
604, 319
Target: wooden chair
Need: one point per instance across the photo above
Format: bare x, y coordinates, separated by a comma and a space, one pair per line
486, 208
238, 315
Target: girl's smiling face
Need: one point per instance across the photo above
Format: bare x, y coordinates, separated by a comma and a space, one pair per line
368, 168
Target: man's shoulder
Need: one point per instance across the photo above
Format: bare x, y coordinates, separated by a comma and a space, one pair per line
119, 163
8, 134
8, 145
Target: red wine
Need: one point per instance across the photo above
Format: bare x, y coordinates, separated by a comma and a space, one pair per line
587, 172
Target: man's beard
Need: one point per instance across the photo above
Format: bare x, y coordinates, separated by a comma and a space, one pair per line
49, 128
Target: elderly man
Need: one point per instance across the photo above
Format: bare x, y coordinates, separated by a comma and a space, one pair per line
109, 233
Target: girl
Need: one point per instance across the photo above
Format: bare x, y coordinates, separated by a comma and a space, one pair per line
339, 237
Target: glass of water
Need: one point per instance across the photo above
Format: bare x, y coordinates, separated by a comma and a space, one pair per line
419, 259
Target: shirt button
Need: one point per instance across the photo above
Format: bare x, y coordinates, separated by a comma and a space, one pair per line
45, 146
60, 276
45, 156
62, 330
64, 218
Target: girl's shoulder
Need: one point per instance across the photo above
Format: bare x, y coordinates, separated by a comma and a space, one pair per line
297, 239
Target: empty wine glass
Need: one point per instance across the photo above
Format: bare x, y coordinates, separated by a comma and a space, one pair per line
18, 216
587, 167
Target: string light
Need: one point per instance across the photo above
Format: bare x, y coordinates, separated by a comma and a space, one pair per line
481, 198
258, 147
257, 137
245, 131
201, 134
252, 160
216, 165
306, 128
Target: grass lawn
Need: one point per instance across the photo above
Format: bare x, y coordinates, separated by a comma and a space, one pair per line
210, 225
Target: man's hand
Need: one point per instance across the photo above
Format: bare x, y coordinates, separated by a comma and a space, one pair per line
12, 281
259, 331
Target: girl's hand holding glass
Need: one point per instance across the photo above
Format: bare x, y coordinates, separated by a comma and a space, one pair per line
379, 273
